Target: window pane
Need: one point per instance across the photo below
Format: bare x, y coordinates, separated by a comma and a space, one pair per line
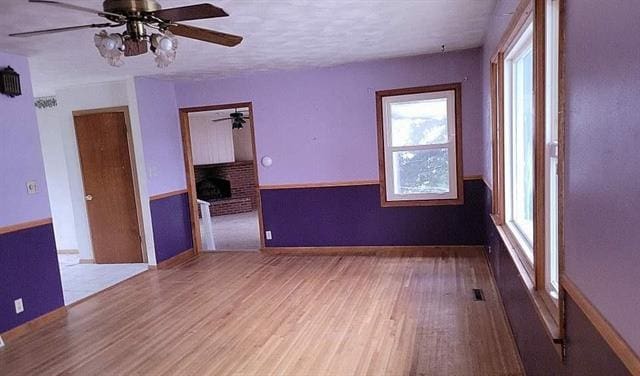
421, 171
522, 144
551, 68
553, 227
419, 122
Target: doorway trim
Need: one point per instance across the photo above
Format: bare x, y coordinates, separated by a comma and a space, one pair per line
134, 173
189, 168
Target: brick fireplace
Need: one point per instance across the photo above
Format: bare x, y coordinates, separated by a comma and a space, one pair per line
229, 187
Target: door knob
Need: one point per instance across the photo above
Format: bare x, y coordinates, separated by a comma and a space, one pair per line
88, 197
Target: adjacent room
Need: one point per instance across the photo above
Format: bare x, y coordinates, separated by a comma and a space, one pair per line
225, 173
293, 187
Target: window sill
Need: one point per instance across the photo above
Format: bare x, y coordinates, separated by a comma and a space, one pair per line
385, 203
550, 319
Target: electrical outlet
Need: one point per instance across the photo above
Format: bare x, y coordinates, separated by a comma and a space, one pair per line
32, 187
19, 305
268, 234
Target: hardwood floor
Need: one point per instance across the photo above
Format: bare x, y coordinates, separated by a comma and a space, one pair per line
252, 314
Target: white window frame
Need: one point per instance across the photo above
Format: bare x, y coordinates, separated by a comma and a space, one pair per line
522, 46
552, 40
450, 145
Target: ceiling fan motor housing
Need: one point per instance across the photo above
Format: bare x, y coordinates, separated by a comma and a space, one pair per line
127, 7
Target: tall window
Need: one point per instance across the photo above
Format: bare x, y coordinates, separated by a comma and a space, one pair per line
552, 40
518, 141
527, 150
419, 131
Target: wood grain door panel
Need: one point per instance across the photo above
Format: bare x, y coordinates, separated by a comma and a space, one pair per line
108, 184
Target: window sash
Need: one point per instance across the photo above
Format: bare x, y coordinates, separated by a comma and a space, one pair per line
391, 172
522, 230
552, 41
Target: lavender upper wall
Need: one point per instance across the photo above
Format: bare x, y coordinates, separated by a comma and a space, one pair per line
161, 138
497, 25
20, 154
602, 197
319, 125
28, 263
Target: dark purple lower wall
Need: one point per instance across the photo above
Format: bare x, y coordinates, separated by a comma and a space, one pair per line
171, 226
352, 216
28, 270
586, 351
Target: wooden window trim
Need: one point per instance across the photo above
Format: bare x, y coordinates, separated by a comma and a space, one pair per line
459, 200
549, 309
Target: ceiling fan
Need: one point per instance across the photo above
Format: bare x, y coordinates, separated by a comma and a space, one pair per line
238, 119
136, 16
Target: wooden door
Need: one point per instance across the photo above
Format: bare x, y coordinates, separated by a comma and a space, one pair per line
105, 160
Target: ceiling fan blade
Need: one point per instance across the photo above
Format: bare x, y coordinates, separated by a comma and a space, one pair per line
59, 4
190, 12
58, 30
206, 35
224, 119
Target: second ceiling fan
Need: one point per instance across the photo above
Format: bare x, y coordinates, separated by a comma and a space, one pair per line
238, 119
137, 16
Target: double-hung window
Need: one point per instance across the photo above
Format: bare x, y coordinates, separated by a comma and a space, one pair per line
519, 142
419, 137
552, 41
528, 152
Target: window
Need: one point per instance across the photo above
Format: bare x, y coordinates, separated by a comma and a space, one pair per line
518, 141
527, 144
552, 40
419, 142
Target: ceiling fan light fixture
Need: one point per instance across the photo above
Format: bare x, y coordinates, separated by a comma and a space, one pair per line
110, 46
136, 16
164, 47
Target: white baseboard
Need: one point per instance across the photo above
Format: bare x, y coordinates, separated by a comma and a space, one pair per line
68, 252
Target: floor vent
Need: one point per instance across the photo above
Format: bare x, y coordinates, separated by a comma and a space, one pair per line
478, 295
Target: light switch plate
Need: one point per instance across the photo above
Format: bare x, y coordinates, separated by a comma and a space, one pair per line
268, 234
32, 187
19, 305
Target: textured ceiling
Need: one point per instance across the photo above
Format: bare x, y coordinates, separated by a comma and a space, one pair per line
279, 34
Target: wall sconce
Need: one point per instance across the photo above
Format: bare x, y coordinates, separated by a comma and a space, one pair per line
266, 161
10, 82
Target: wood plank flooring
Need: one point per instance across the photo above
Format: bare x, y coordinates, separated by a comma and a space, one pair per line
252, 314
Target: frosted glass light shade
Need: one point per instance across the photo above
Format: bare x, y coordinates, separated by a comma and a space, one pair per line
266, 161
110, 47
164, 47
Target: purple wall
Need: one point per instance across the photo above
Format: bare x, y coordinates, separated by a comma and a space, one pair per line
587, 352
352, 216
319, 125
28, 270
20, 154
161, 138
601, 197
498, 23
171, 226
602, 255
28, 262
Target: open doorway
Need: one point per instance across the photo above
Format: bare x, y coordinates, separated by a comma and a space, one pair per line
222, 177
107, 171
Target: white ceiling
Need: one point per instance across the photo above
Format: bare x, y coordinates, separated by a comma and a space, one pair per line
279, 34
